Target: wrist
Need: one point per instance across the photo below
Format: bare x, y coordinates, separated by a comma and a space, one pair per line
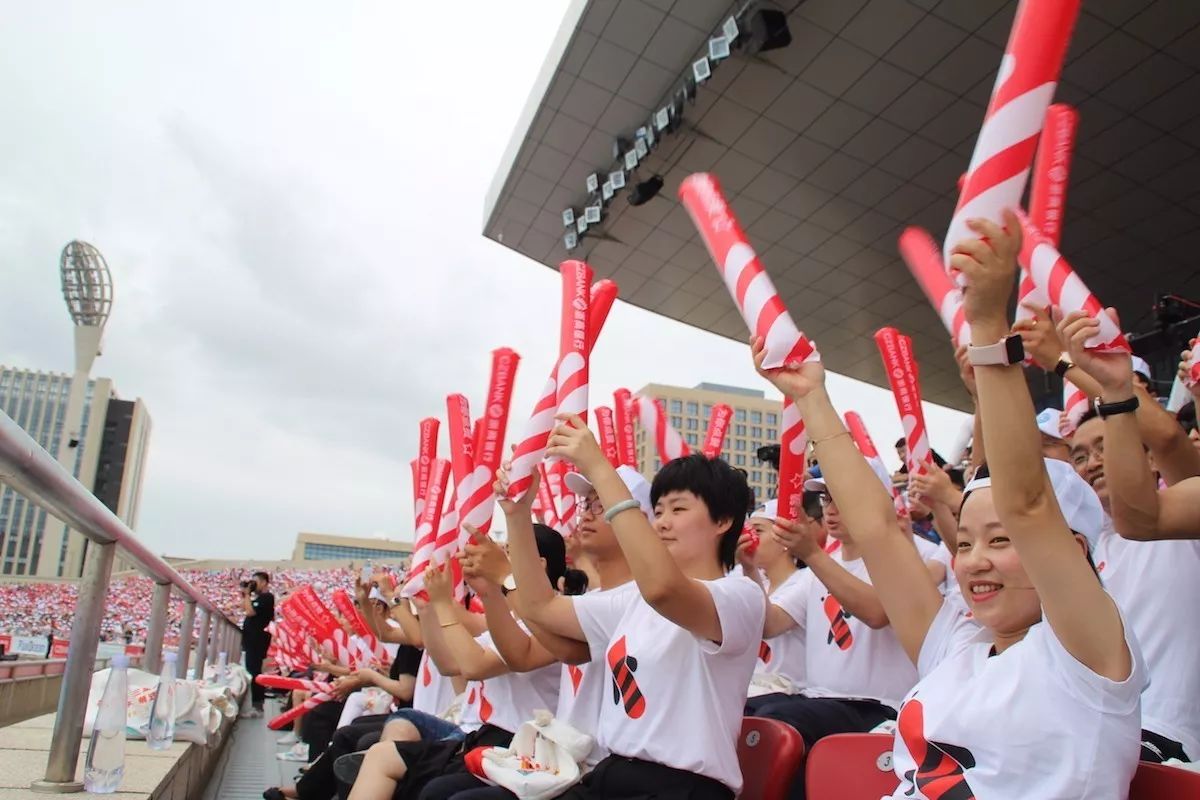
1114, 392
988, 330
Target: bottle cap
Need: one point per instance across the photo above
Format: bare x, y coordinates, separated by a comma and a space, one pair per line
119, 661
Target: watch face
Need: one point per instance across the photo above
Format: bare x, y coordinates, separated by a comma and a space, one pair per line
1014, 349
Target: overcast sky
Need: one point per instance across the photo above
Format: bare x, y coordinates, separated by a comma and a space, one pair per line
289, 195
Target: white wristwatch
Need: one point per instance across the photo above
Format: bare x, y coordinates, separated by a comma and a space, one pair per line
1009, 350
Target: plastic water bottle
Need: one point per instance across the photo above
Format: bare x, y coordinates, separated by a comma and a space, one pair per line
223, 669
162, 714
104, 767
365, 575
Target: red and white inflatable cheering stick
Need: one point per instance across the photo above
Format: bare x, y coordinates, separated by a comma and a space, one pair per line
718, 426
371, 651
1048, 193
531, 446
428, 528
793, 445
426, 454
858, 432
294, 713
901, 370
920, 254
475, 509
1075, 405
608, 435
667, 441
747, 280
573, 358
546, 497
1025, 85
1064, 289
623, 415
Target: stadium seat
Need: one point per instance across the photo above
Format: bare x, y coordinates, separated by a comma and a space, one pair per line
1161, 782
770, 754
851, 766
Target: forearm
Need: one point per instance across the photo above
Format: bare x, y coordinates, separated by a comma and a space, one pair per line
409, 624
1083, 382
473, 661
512, 643
435, 643
856, 596
978, 450
525, 561
402, 690
561, 648
946, 523
1132, 492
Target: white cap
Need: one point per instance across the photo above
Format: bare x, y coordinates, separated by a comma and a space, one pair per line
1076, 499
638, 486
815, 485
1142, 368
768, 510
376, 594
1047, 422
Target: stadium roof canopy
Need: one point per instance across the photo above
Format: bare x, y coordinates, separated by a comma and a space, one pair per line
830, 146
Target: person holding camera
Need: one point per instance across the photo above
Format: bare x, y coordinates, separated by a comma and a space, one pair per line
259, 605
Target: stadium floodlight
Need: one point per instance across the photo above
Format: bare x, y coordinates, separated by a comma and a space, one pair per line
718, 50
651, 139
593, 182
581, 224
662, 118
730, 30
641, 148
620, 145
591, 214
631, 160
606, 191
702, 71
570, 240
617, 179
568, 217
86, 284
645, 191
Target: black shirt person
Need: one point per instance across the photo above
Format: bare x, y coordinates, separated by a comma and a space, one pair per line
259, 605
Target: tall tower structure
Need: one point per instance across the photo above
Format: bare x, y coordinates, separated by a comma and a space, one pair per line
88, 291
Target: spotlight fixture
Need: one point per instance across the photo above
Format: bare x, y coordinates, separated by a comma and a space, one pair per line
593, 183
581, 225
662, 118
689, 88
651, 138
730, 30
702, 70
617, 179
768, 31
645, 191
570, 240
619, 146
718, 49
606, 191
641, 148
568, 217
631, 160
591, 214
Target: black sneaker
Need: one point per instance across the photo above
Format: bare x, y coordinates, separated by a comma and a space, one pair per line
346, 768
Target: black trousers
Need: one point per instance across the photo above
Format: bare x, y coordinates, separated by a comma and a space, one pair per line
1156, 748
818, 717
256, 651
463, 786
633, 779
319, 783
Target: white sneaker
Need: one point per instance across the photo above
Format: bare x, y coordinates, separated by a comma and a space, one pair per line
289, 738
251, 713
299, 752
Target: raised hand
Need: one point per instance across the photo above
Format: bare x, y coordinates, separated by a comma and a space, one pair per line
989, 265
794, 381
798, 537
1185, 367
483, 559
1039, 336
438, 584
501, 486
571, 440
934, 486
1112, 370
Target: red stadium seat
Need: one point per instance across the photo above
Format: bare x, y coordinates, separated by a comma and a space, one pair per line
851, 766
1160, 782
770, 754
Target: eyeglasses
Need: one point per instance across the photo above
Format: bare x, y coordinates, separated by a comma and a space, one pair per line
826, 499
593, 506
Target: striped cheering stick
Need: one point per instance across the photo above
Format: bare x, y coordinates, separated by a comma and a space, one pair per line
667, 441
718, 426
428, 528
475, 493
294, 713
1025, 84
623, 415
920, 254
793, 445
858, 432
747, 280
1075, 405
608, 435
898, 362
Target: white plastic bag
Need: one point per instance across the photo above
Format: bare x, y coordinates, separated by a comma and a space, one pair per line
193, 711
542, 762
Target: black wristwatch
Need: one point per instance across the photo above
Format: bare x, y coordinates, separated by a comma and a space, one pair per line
1063, 365
1106, 410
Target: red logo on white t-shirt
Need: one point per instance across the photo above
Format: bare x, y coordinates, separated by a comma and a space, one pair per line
576, 676
485, 708
764, 652
1100, 566
839, 631
939, 772
625, 687
426, 675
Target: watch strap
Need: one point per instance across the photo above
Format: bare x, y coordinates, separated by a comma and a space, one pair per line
1106, 410
1007, 351
1064, 364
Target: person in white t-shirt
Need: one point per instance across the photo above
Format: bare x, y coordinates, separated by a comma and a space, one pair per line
1151, 580
681, 651
1037, 693
781, 667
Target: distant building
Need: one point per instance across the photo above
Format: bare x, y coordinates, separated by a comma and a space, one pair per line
109, 459
327, 547
755, 423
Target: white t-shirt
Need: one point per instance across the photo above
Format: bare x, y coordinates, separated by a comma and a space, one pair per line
508, 700
582, 686
434, 692
845, 657
1157, 586
1030, 722
784, 654
932, 551
673, 698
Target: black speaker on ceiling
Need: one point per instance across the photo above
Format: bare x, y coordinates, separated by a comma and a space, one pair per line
768, 31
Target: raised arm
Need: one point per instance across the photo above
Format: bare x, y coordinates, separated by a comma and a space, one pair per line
663, 585
900, 578
1083, 616
935, 489
1139, 510
474, 662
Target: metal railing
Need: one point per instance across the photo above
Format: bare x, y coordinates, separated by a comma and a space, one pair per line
34, 473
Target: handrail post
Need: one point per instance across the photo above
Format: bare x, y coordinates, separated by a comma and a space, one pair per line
77, 675
186, 626
160, 604
202, 644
